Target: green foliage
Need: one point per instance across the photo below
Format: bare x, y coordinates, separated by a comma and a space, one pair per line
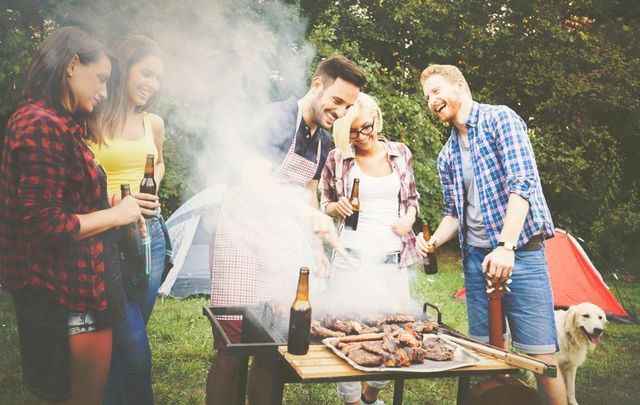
20, 34
568, 68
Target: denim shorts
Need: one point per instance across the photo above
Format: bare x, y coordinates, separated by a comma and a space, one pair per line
528, 307
81, 322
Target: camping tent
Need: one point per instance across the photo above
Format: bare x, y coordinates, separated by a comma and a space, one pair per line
574, 279
190, 228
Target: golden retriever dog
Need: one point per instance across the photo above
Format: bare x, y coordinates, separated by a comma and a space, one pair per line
579, 329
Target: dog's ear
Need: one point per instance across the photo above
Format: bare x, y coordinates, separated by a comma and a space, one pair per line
570, 319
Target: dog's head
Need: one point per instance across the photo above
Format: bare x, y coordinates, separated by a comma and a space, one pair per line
586, 321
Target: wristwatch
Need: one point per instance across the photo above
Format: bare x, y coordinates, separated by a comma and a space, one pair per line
507, 245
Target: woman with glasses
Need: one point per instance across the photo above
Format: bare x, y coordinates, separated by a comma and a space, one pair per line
383, 239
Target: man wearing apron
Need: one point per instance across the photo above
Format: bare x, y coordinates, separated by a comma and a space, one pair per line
297, 131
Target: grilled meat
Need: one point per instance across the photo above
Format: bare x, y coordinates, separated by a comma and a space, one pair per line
435, 349
349, 347
370, 329
416, 354
389, 344
375, 347
402, 358
356, 327
407, 338
426, 326
328, 320
358, 338
400, 318
365, 358
340, 326
318, 330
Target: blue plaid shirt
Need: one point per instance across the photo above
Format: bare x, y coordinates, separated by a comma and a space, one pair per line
503, 163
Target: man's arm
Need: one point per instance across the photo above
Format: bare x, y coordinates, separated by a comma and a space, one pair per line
516, 155
447, 229
517, 210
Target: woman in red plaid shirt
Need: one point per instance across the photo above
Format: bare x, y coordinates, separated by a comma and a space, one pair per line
57, 254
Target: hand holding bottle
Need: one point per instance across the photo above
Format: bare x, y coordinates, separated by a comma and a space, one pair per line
343, 207
149, 204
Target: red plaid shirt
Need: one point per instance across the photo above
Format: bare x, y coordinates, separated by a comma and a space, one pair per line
47, 177
335, 175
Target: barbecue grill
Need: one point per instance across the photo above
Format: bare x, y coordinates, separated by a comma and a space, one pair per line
263, 333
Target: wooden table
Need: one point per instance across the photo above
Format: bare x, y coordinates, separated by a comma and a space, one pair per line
321, 365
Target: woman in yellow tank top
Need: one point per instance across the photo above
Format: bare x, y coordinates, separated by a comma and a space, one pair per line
127, 133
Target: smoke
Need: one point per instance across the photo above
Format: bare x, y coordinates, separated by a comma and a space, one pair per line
226, 60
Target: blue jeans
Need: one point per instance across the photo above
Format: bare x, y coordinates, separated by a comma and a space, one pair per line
130, 373
528, 307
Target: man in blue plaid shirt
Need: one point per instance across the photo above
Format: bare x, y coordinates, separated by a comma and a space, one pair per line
494, 202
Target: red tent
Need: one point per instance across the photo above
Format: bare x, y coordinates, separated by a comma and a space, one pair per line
574, 279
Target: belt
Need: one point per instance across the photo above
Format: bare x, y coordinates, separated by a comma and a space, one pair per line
385, 258
535, 243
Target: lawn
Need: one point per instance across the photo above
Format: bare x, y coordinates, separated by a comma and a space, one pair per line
182, 352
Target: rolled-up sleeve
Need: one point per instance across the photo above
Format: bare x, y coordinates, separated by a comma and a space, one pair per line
43, 173
328, 183
516, 152
412, 191
447, 185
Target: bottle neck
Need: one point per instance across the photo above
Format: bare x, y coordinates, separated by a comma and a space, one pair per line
303, 287
355, 195
355, 192
125, 191
148, 168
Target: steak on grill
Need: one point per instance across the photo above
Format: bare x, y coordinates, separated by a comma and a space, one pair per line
435, 349
365, 358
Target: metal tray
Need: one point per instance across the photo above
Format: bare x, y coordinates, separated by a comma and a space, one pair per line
462, 357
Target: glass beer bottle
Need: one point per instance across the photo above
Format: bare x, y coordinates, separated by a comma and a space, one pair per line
300, 317
132, 258
352, 220
131, 237
148, 183
430, 261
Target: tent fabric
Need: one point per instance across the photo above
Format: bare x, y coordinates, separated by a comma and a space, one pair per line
190, 228
574, 278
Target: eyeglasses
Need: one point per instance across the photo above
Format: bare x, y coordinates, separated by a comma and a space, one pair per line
364, 131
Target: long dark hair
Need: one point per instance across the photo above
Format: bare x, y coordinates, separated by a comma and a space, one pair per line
128, 50
46, 75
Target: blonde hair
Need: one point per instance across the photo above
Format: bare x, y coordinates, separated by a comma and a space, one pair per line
342, 126
449, 72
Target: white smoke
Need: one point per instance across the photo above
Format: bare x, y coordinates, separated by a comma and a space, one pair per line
226, 60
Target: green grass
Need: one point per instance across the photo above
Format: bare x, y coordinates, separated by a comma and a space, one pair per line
182, 352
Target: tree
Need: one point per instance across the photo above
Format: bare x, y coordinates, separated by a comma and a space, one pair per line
568, 68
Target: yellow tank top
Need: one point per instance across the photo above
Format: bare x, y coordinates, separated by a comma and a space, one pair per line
123, 160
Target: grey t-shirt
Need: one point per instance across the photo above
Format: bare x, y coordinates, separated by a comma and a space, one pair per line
475, 229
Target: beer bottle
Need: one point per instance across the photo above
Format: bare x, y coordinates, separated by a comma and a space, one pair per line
132, 258
354, 200
148, 183
300, 317
430, 261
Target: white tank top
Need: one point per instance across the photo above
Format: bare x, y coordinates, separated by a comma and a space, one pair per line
379, 210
